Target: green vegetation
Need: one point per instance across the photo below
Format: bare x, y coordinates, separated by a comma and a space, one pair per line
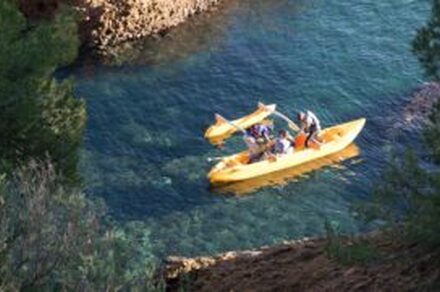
52, 237
347, 250
40, 116
426, 45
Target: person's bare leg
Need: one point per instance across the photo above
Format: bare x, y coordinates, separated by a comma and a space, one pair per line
316, 139
313, 137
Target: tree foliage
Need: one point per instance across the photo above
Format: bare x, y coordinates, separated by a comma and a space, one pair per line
432, 136
426, 44
53, 237
39, 115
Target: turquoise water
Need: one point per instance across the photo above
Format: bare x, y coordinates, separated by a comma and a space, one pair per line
144, 151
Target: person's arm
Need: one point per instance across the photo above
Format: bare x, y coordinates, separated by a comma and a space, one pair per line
302, 126
265, 134
269, 151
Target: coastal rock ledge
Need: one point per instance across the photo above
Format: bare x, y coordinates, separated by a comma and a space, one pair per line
306, 265
110, 23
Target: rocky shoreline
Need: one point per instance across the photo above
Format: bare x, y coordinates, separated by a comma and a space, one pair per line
305, 265
112, 23
419, 108
107, 24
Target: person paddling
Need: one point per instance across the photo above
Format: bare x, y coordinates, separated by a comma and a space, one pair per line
311, 126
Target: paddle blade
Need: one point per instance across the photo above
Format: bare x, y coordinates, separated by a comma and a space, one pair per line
294, 127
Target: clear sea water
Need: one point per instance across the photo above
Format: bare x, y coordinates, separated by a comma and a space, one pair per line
144, 151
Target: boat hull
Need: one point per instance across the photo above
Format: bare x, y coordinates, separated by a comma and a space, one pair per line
282, 177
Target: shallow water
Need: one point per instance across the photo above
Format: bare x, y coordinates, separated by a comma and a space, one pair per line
144, 151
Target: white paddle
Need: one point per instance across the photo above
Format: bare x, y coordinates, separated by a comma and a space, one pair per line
290, 123
211, 159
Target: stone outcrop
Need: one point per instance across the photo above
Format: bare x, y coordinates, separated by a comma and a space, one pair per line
107, 24
420, 105
111, 23
305, 265
415, 113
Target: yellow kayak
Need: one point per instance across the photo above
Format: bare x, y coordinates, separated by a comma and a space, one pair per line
236, 167
282, 177
222, 129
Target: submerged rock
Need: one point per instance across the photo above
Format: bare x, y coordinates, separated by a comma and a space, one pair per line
419, 108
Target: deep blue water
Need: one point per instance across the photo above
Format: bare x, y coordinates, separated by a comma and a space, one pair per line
144, 151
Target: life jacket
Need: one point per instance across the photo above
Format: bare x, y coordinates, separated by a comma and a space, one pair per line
300, 141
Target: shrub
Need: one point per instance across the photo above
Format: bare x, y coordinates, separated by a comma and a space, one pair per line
39, 115
52, 236
347, 250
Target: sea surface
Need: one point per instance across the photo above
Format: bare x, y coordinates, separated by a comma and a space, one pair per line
144, 151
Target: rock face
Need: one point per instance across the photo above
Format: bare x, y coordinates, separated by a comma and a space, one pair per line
419, 108
415, 113
107, 24
304, 265
110, 23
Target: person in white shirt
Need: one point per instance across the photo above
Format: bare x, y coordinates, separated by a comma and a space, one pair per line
283, 143
311, 126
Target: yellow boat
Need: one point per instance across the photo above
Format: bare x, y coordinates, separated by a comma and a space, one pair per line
236, 167
222, 129
283, 177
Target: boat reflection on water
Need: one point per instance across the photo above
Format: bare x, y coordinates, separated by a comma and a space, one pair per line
285, 176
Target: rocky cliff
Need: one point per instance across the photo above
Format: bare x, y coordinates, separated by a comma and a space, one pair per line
112, 22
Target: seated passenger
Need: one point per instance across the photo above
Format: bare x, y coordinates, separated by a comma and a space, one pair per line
257, 138
260, 132
255, 149
283, 143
